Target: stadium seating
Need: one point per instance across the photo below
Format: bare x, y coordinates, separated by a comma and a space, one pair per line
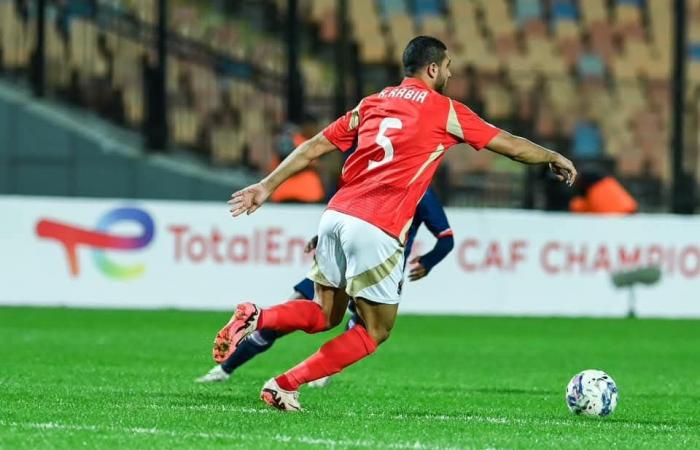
80, 64
535, 65
618, 53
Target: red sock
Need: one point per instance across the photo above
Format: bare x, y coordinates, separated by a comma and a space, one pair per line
294, 315
331, 358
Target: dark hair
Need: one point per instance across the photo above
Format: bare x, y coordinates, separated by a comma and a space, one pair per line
422, 51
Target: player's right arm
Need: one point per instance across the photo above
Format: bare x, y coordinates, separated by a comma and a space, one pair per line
340, 134
251, 198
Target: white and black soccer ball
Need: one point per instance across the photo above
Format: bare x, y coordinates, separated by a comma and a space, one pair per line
591, 393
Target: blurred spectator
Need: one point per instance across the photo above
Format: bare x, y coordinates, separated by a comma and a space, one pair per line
601, 194
306, 186
587, 140
548, 131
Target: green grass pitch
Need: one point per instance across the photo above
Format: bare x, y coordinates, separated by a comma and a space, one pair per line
124, 379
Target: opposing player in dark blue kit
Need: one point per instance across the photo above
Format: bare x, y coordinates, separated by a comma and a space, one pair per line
429, 212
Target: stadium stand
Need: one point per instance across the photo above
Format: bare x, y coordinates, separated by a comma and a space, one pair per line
617, 52
590, 77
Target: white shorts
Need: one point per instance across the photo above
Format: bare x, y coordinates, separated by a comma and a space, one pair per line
357, 256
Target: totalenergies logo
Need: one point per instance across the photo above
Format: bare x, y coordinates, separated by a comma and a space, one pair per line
70, 237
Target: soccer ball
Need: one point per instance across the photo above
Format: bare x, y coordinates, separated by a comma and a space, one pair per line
591, 393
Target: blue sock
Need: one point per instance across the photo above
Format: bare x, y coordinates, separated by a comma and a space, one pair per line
253, 345
354, 320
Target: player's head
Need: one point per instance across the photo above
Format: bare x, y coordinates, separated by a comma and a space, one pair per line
426, 57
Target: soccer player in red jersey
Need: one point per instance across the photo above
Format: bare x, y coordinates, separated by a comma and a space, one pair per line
401, 134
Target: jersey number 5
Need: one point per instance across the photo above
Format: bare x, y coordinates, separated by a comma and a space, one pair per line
384, 142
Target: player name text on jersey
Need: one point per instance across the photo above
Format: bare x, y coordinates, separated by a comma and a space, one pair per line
416, 95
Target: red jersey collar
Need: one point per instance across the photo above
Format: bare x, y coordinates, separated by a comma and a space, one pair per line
417, 82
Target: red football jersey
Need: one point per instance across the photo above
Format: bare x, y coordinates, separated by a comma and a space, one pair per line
402, 134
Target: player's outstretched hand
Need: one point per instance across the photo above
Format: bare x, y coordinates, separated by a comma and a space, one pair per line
248, 200
418, 271
311, 245
564, 170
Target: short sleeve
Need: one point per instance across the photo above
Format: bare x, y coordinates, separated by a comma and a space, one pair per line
468, 127
343, 132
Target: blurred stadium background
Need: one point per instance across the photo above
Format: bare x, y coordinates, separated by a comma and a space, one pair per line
126, 124
222, 89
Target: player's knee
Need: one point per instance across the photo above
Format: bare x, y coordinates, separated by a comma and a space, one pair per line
333, 320
379, 334
333, 316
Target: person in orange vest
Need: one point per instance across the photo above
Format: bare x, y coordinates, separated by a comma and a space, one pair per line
306, 186
602, 194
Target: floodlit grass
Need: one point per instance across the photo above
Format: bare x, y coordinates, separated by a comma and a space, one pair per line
124, 379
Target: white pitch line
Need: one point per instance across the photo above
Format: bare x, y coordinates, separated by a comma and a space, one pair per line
322, 442
581, 421
431, 417
464, 418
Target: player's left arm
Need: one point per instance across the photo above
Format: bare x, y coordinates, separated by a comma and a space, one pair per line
433, 215
525, 151
468, 127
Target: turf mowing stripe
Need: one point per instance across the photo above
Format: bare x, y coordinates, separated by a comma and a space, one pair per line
440, 382
506, 421
323, 442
